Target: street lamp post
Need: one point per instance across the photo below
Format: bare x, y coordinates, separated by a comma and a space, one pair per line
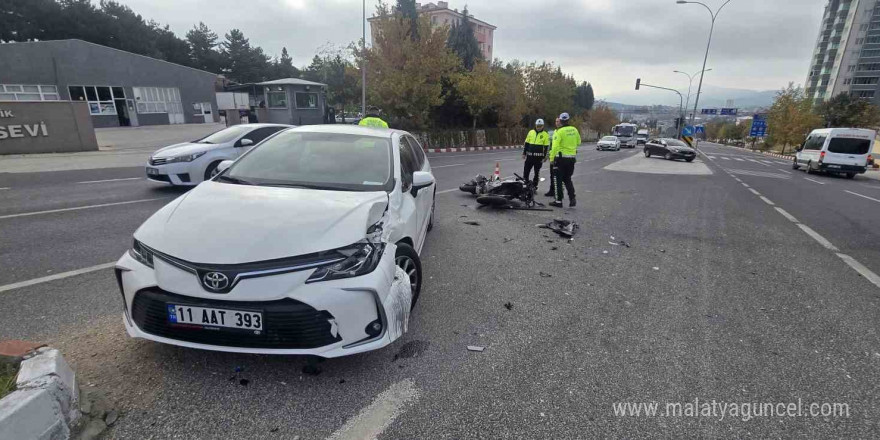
690, 84
640, 84
708, 45
364, 65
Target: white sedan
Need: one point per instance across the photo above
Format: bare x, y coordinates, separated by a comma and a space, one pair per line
191, 163
308, 244
608, 143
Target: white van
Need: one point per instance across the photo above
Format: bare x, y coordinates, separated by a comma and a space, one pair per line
836, 150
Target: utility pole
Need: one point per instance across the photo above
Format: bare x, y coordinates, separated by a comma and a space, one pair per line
364, 64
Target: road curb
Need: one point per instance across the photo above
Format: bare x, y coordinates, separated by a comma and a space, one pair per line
466, 149
44, 405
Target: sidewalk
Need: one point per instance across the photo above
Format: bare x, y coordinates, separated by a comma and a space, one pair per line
120, 147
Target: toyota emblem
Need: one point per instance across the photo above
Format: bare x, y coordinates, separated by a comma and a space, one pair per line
215, 281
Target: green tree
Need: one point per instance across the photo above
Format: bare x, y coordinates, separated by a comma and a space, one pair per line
584, 99
548, 90
283, 67
791, 117
478, 88
844, 110
408, 13
510, 104
463, 42
404, 75
203, 48
241, 62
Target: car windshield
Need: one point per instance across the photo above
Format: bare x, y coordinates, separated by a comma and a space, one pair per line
226, 135
609, 138
675, 143
316, 160
849, 146
625, 130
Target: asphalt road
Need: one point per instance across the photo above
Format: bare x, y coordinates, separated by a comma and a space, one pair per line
718, 295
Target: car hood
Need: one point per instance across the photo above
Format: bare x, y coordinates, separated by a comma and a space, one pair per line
183, 149
230, 224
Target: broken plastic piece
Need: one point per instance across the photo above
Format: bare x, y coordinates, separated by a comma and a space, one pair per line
545, 275
476, 348
565, 228
508, 305
472, 223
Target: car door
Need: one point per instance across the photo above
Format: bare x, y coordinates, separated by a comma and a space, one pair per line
846, 150
408, 209
812, 149
424, 199
651, 145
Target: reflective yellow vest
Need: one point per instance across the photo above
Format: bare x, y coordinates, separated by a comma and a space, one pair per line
536, 143
372, 121
565, 142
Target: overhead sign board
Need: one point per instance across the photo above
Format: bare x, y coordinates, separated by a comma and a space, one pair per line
710, 111
729, 111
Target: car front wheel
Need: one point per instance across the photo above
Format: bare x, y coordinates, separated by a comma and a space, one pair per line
407, 259
668, 156
647, 152
212, 171
794, 165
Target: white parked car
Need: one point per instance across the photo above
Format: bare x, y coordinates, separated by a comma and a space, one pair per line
608, 143
845, 151
308, 244
191, 163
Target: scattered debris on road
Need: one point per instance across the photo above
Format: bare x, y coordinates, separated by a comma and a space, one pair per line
656, 268
565, 228
508, 305
545, 275
604, 252
472, 223
508, 240
476, 348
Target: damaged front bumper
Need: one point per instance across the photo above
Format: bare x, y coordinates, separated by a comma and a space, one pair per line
327, 319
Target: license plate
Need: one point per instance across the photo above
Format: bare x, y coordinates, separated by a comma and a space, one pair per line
833, 166
212, 318
152, 171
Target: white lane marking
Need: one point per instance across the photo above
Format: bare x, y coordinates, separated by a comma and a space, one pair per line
741, 160
376, 417
787, 215
725, 157
814, 181
767, 201
57, 276
862, 195
754, 192
861, 269
52, 211
445, 166
1, 189
786, 172
111, 180
760, 174
818, 237
710, 157
447, 191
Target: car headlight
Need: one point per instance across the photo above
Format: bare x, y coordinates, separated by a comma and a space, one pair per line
187, 158
141, 253
361, 258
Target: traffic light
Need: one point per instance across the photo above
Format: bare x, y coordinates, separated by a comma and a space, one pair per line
638, 83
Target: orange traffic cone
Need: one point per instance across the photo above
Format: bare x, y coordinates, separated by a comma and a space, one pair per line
497, 175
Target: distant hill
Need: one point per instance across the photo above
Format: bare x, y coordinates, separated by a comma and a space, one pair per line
713, 97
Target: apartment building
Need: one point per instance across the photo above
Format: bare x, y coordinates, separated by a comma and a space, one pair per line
847, 54
441, 15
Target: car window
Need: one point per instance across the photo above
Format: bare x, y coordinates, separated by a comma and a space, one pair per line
407, 164
226, 135
609, 138
418, 152
675, 143
317, 160
815, 143
260, 134
849, 146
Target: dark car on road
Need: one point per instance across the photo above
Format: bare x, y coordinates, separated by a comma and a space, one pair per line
670, 149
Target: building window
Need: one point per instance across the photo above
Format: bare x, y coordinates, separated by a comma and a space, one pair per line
100, 98
869, 67
306, 100
871, 40
865, 94
871, 53
865, 80
19, 92
851, 68
847, 81
157, 100
277, 99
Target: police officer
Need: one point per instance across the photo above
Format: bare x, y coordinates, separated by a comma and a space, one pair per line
566, 140
535, 150
373, 119
552, 191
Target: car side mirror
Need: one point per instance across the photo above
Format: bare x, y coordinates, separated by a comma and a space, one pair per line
223, 166
421, 180
245, 142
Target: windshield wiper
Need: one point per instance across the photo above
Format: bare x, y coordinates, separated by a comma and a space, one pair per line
235, 180
295, 185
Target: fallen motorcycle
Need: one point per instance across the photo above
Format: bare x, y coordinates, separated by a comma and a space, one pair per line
516, 193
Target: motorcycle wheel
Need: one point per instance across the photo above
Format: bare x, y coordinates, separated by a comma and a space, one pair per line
491, 200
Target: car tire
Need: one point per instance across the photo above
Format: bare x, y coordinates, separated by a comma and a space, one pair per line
690, 159
647, 152
668, 156
211, 171
794, 165
850, 175
407, 259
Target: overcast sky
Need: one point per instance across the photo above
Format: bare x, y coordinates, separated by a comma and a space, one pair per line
758, 44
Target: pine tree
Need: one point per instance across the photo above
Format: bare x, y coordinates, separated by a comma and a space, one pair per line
407, 11
203, 48
241, 62
463, 42
283, 67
